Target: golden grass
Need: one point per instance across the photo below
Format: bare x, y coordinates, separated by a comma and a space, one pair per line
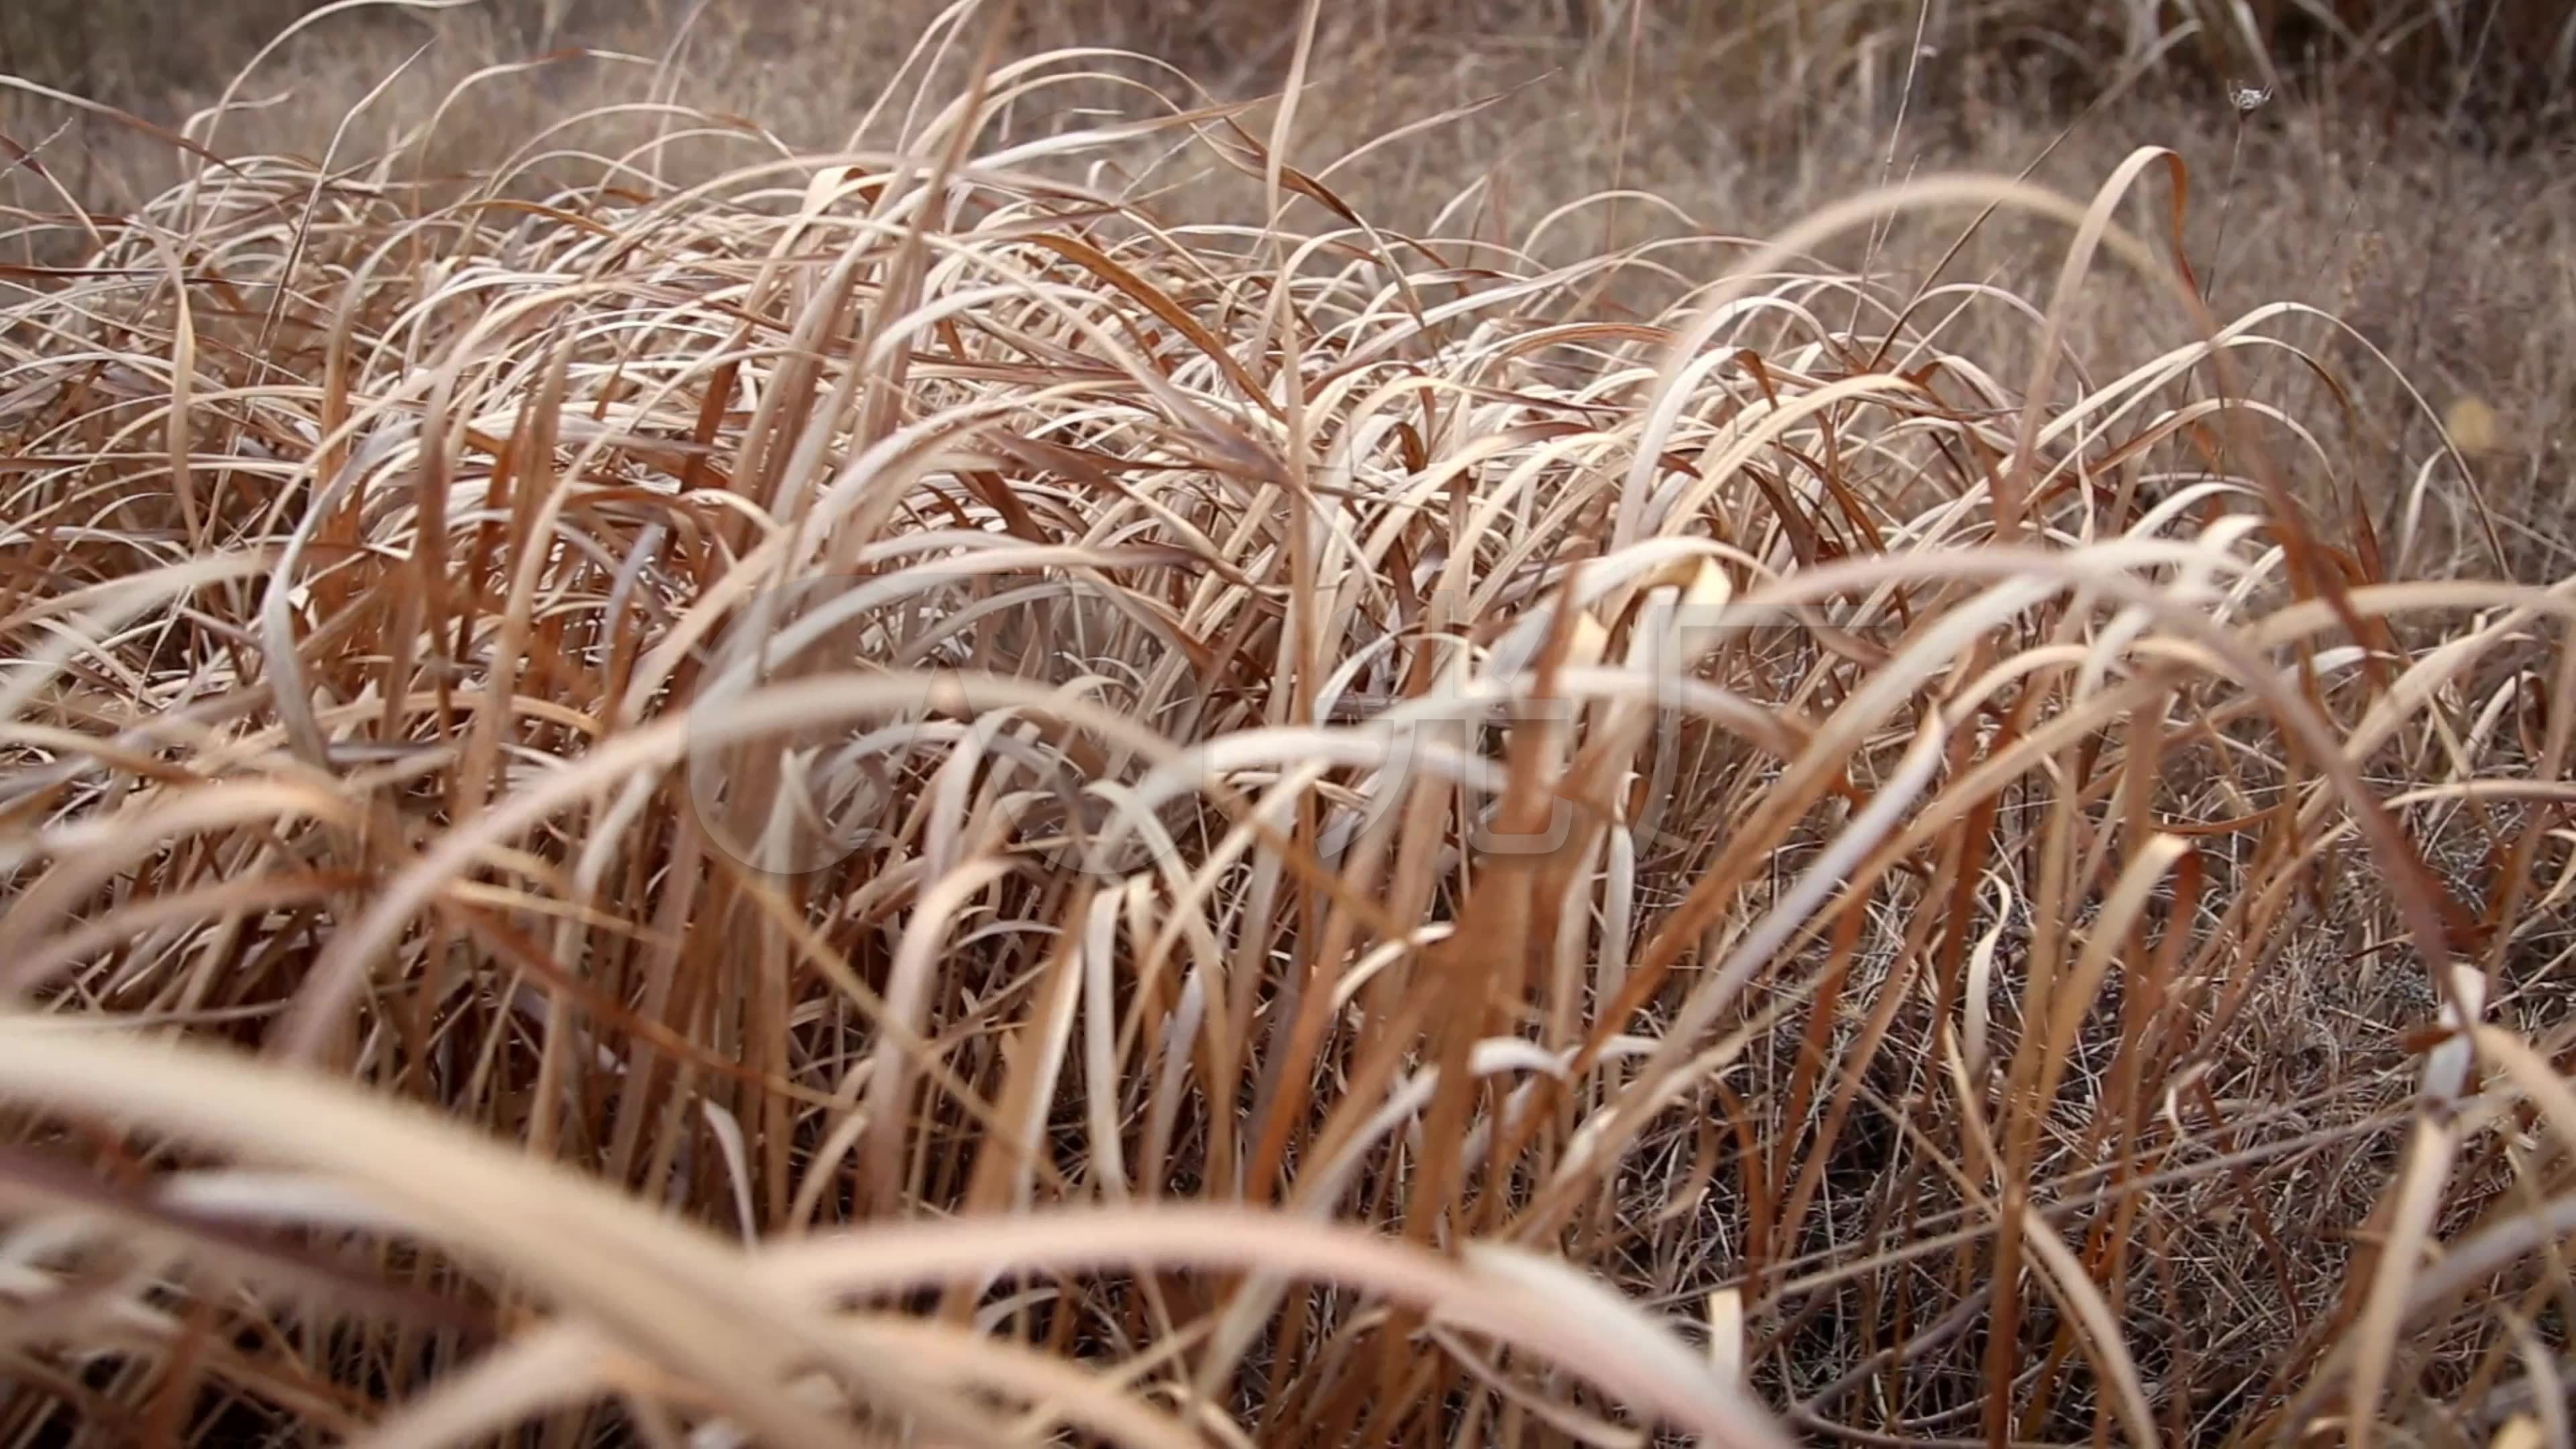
953, 792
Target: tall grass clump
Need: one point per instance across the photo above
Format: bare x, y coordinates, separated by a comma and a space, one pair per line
983, 790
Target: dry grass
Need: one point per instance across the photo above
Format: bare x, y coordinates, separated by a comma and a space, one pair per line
2412, 179
1077, 774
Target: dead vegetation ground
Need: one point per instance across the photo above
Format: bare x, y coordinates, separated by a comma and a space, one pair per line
2428, 207
1226, 776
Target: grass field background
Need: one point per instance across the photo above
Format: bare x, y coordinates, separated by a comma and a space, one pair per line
1556, 723
2410, 178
